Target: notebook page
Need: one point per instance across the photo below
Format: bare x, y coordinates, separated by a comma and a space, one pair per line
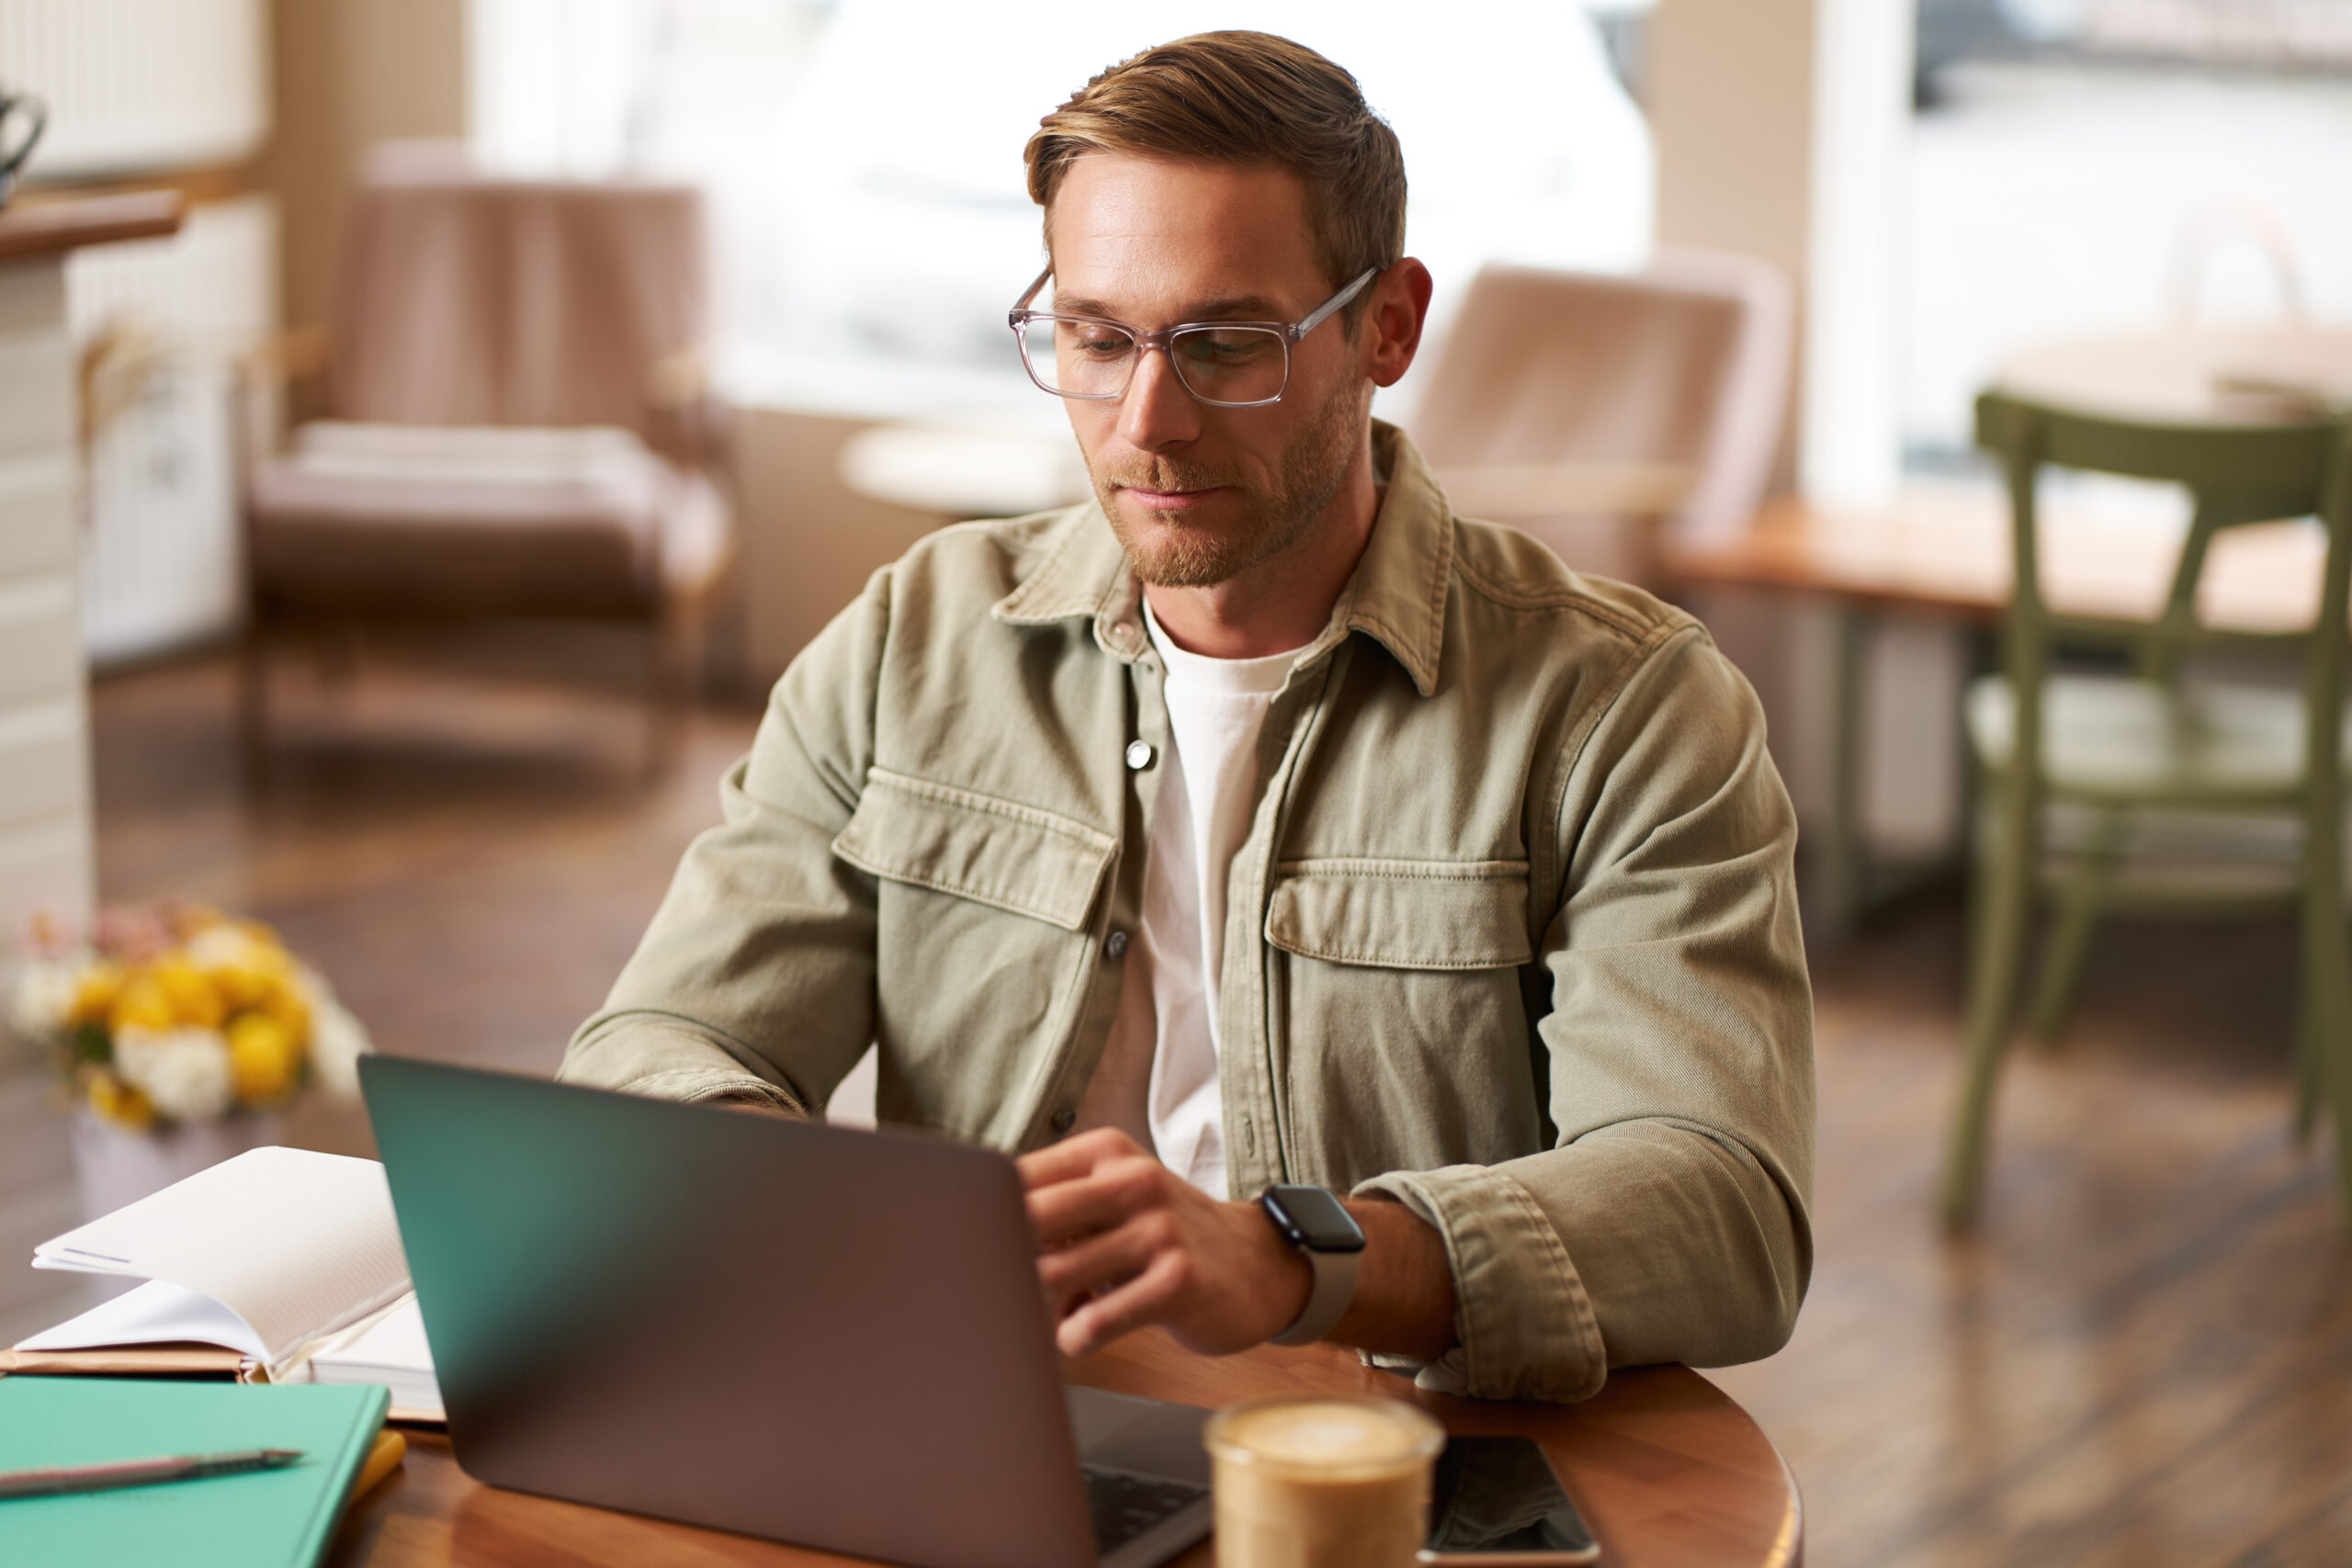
394, 1342
295, 1243
391, 1351
155, 1314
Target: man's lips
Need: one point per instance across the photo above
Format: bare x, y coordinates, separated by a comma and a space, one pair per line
1170, 499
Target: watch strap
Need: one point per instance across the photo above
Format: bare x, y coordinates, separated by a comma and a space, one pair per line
1335, 1287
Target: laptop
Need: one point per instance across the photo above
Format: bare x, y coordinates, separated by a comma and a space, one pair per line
814, 1334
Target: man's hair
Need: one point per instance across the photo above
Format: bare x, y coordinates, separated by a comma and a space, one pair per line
1245, 98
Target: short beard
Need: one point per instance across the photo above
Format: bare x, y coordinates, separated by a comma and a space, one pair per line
1312, 471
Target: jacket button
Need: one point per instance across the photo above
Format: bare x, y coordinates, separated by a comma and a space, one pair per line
1116, 947
1065, 1119
1139, 755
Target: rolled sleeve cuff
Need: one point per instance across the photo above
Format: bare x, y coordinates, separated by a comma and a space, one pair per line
665, 1060
693, 1085
1523, 1325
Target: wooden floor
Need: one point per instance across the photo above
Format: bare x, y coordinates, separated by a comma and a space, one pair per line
2146, 1357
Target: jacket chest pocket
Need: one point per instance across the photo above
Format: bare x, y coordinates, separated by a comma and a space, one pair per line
998, 852
981, 913
1404, 1038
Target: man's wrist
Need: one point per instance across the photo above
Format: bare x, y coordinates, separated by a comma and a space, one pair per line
1321, 1233
1290, 1275
1405, 1300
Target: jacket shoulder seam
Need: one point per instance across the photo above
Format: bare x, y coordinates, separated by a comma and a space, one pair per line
1565, 597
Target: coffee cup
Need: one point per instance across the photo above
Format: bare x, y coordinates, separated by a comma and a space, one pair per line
34, 114
1322, 1481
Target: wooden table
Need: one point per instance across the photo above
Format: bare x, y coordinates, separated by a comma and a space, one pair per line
1669, 1472
1945, 552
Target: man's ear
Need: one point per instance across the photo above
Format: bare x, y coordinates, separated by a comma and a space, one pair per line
1393, 322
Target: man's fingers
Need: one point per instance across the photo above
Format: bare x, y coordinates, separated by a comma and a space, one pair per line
1073, 1158
1140, 1301
1105, 1197
1072, 1210
1103, 1259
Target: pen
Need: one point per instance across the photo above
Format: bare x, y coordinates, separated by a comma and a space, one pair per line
140, 1472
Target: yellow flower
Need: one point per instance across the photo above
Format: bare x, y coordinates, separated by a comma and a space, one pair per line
283, 1001
93, 992
141, 1003
196, 1000
266, 1056
263, 939
119, 1102
243, 960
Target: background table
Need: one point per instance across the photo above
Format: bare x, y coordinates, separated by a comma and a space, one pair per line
1668, 1470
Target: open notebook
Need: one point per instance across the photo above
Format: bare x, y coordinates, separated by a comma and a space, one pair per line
285, 1262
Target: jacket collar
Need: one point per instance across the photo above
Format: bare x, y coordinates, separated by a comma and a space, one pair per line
1396, 595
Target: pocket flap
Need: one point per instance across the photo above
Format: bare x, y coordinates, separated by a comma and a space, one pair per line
992, 851
1403, 914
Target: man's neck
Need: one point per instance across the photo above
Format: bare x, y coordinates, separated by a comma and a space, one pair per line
1284, 602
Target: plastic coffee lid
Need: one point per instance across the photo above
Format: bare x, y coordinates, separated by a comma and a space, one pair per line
1328, 1436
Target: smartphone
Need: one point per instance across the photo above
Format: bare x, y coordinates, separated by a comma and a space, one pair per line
1496, 1502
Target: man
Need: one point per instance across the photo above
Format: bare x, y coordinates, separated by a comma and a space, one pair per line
1261, 823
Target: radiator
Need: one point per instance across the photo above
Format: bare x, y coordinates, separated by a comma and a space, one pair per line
168, 317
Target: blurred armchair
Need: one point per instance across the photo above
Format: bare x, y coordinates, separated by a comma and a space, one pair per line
1593, 411
511, 422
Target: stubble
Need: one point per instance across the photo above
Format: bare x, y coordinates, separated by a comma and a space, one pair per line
1178, 555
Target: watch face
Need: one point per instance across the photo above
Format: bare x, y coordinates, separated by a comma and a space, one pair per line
1310, 1217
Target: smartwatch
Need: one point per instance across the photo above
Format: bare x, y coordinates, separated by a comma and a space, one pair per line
1311, 1220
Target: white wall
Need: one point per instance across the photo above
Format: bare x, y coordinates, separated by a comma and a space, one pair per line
1781, 128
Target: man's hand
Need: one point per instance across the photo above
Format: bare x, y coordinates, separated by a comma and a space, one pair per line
1123, 1242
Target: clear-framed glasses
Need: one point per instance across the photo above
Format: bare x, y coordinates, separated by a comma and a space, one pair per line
1228, 364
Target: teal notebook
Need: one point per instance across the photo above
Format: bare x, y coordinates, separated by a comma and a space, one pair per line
272, 1518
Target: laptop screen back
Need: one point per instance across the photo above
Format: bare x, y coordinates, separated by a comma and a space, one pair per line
802, 1332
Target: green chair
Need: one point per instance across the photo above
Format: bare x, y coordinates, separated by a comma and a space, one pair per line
2133, 763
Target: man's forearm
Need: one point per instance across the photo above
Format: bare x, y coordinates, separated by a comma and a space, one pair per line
1404, 1300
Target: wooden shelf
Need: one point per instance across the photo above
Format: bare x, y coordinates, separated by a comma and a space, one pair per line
36, 228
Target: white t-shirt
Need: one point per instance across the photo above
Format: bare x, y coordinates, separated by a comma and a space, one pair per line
1158, 1078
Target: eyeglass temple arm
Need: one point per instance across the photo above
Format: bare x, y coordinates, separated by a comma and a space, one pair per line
1323, 312
1030, 293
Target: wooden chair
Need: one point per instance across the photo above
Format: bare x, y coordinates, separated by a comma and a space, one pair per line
511, 423
2120, 751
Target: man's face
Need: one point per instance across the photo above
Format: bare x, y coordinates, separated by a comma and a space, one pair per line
1198, 494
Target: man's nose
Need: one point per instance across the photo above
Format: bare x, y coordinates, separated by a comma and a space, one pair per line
1157, 411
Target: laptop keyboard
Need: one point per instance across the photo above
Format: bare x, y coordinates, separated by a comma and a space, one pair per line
1126, 1506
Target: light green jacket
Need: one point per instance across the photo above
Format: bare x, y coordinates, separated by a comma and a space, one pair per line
1512, 938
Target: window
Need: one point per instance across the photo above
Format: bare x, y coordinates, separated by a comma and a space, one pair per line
863, 156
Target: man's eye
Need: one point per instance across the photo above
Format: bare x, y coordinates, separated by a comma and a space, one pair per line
1224, 349
1099, 344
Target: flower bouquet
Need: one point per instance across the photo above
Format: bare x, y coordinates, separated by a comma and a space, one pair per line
175, 1026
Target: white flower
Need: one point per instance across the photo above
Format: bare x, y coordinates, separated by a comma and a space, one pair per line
227, 946
42, 997
337, 1038
185, 1072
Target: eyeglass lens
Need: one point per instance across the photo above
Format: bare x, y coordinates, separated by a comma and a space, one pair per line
1078, 358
